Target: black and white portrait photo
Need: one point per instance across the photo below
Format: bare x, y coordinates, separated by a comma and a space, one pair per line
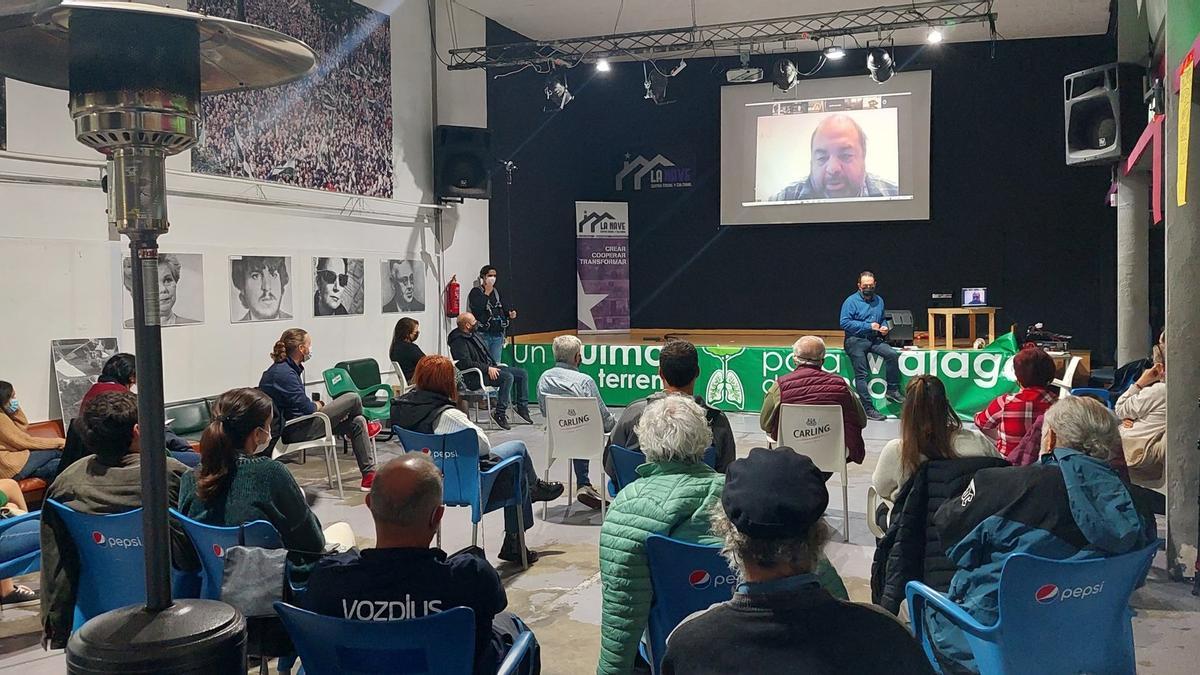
337, 286
259, 288
180, 289
403, 286
77, 366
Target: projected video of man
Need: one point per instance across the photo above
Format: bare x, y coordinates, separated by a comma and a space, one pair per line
838, 152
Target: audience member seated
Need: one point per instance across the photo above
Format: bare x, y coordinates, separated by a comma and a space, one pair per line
1069, 505
808, 384
16, 541
932, 461
781, 620
109, 481
22, 455
678, 366
234, 484
402, 571
1008, 417
1142, 410
429, 409
671, 497
929, 429
119, 374
564, 379
469, 351
284, 383
404, 349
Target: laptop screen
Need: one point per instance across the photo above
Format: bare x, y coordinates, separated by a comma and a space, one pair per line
974, 297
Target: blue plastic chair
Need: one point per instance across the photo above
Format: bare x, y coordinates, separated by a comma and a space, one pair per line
22, 564
626, 462
211, 542
1083, 604
463, 484
685, 578
112, 569
1103, 394
441, 643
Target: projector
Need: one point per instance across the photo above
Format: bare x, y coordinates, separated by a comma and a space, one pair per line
737, 75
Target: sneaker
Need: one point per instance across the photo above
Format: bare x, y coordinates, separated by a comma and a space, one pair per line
587, 495
894, 396
373, 428
21, 595
542, 491
511, 550
875, 416
523, 413
501, 420
367, 480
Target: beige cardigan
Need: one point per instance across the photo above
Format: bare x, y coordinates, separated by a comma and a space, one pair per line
15, 443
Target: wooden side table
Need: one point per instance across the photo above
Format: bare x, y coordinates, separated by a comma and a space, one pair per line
970, 312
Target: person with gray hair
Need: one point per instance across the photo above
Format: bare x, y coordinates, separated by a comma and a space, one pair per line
809, 384
564, 379
789, 609
403, 578
1068, 504
672, 496
169, 272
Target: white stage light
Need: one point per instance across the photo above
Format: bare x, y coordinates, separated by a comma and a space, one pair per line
602, 66
934, 37
834, 53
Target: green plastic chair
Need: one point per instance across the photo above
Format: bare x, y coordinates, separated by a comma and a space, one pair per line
338, 381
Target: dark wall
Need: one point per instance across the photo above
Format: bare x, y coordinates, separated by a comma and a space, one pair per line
1006, 212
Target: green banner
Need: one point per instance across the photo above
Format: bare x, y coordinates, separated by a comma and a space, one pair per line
736, 379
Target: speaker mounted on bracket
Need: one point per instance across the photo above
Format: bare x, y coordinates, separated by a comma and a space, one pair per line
1104, 111
462, 162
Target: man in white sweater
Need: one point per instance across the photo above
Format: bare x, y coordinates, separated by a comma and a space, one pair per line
1142, 410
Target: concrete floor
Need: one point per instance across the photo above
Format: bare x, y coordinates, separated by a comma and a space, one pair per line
559, 597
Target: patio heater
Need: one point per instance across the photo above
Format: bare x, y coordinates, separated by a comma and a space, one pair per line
135, 73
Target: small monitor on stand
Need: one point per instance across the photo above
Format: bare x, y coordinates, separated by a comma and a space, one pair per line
974, 297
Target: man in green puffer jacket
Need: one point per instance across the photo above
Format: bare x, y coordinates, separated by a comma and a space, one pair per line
672, 497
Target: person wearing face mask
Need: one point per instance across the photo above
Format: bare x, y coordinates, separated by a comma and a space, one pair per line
404, 348
23, 455
235, 484
284, 383
109, 481
494, 317
866, 333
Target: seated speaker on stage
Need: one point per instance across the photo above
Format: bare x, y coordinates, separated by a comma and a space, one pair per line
469, 351
678, 366
866, 333
564, 379
808, 384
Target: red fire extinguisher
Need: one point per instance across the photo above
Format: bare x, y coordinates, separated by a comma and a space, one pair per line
452, 296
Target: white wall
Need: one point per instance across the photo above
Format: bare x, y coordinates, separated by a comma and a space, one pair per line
62, 272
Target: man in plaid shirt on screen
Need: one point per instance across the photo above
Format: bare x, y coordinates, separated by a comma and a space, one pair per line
1009, 416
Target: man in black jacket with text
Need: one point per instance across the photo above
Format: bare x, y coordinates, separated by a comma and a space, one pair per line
468, 351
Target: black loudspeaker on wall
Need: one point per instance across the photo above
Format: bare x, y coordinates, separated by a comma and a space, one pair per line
462, 162
1105, 112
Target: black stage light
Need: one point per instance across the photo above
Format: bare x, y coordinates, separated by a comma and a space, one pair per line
880, 64
784, 74
557, 93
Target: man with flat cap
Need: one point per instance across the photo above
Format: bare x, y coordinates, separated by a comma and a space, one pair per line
781, 619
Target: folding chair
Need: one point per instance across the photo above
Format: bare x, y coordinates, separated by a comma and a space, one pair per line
816, 431
574, 430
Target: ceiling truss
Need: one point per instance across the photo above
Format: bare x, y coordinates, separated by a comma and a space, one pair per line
881, 21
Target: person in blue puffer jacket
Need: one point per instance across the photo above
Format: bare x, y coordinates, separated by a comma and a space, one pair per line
1069, 505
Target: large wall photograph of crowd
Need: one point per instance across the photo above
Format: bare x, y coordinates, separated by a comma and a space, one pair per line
330, 131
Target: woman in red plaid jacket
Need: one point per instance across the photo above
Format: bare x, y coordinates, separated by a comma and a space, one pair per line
1009, 416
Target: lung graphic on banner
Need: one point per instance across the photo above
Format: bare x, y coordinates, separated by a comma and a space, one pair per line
602, 237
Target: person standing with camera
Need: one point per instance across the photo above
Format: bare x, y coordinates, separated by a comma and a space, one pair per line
487, 307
